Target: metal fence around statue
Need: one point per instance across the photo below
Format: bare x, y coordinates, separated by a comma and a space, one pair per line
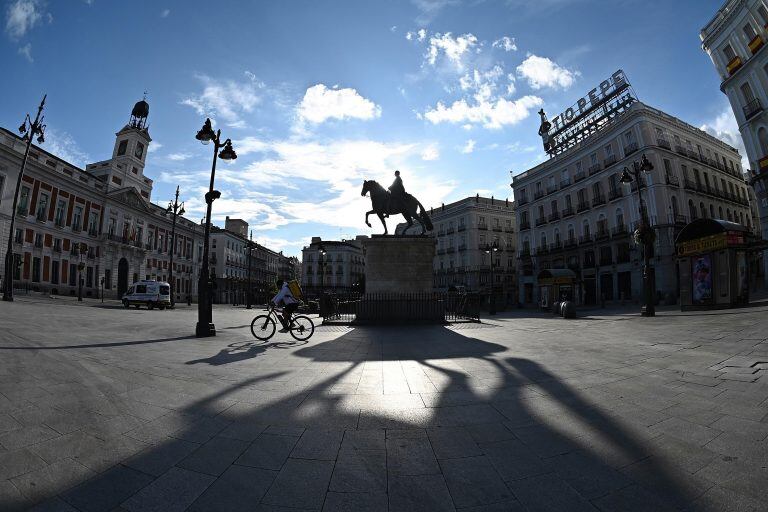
378, 308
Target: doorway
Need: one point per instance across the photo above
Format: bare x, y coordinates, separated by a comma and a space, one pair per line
122, 277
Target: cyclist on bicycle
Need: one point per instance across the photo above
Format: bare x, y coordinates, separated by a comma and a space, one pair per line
285, 296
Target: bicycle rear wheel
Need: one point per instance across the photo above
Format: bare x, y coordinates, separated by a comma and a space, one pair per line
263, 327
302, 328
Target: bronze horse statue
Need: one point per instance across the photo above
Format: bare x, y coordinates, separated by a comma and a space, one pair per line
409, 207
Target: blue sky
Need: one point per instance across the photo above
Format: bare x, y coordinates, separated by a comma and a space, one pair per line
318, 95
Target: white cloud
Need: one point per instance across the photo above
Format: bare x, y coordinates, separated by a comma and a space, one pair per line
483, 84
421, 34
164, 13
453, 48
429, 9
725, 128
393, 28
227, 99
491, 114
179, 157
154, 146
321, 103
469, 147
506, 43
249, 145
431, 152
542, 72
26, 51
22, 16
64, 146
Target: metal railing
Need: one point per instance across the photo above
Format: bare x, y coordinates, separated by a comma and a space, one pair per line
752, 108
378, 308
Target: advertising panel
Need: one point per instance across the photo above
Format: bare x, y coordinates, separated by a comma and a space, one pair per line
701, 275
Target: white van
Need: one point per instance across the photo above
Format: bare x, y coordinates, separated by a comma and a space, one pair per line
148, 293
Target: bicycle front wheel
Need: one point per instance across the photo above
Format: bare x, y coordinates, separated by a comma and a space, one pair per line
263, 327
302, 328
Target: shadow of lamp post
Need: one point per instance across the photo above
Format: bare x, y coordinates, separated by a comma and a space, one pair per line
205, 326
644, 235
36, 127
490, 249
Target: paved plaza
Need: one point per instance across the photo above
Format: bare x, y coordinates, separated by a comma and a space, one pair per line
103, 408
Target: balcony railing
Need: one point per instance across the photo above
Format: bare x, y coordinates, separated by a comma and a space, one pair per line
680, 219
540, 221
523, 200
598, 200
567, 212
630, 148
538, 194
524, 224
752, 108
93, 231
551, 189
602, 234
585, 239
461, 228
556, 246
609, 161
615, 194
733, 66
450, 231
672, 180
594, 169
498, 229
664, 143
553, 216
579, 176
570, 242
755, 44
58, 222
582, 206
41, 216
483, 227
22, 211
681, 150
619, 230
564, 183
688, 184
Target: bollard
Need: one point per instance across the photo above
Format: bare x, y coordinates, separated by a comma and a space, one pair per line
568, 309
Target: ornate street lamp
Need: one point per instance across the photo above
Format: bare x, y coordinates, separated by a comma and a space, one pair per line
490, 250
80, 268
644, 235
321, 259
205, 326
248, 304
175, 209
36, 127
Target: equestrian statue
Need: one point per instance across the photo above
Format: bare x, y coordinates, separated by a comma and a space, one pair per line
395, 201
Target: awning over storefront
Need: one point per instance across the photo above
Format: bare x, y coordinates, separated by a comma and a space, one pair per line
556, 276
706, 235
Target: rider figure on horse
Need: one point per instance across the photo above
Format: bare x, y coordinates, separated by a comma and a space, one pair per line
397, 193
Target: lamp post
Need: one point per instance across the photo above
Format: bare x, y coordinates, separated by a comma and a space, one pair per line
175, 209
321, 257
490, 249
102, 290
36, 127
205, 326
644, 235
80, 268
248, 304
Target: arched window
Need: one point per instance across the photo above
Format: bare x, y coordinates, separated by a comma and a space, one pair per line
703, 210
557, 236
728, 213
619, 217
762, 138
543, 241
571, 232
720, 211
675, 208
692, 210
712, 211
526, 245
741, 216
585, 228
749, 222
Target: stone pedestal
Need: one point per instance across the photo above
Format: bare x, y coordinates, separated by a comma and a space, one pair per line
399, 264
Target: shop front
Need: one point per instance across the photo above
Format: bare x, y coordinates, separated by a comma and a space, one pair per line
556, 284
713, 261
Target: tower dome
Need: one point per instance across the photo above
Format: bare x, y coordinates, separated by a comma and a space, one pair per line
139, 114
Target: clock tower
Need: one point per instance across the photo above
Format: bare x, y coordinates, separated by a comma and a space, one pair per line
126, 167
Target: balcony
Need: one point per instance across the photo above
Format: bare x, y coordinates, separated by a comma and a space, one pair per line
542, 249
602, 234
551, 189
598, 200
594, 169
630, 148
609, 161
538, 194
41, 216
524, 224
680, 219
688, 184
93, 231
622, 257
461, 228
21, 211
523, 200
752, 108
450, 231
582, 206
556, 246
664, 143
76, 228
553, 216
498, 229
755, 44
482, 227
618, 231
509, 229
570, 243
58, 222
564, 183
579, 176
585, 239
615, 194
541, 221
672, 180
734, 65
462, 247
681, 150
567, 212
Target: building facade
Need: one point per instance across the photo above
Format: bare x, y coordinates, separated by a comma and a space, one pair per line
572, 211
735, 40
339, 270
464, 229
100, 219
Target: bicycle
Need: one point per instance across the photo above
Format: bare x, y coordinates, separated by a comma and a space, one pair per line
263, 326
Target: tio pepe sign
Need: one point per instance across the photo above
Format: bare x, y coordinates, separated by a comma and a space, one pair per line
593, 99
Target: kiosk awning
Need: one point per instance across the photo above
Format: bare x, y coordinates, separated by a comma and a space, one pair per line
704, 235
556, 276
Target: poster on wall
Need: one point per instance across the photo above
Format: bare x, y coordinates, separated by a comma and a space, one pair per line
741, 266
701, 274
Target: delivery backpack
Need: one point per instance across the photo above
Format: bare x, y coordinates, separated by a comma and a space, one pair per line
295, 288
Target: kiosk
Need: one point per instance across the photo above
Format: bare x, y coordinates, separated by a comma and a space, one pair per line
556, 284
713, 264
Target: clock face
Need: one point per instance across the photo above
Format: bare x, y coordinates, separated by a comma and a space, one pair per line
139, 150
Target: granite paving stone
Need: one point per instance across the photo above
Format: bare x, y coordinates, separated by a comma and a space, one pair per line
301, 483
355, 502
411, 456
239, 488
268, 452
362, 471
107, 490
48, 481
159, 458
473, 481
215, 456
173, 491
420, 493
318, 444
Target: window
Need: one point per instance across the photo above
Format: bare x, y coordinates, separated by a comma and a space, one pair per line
42, 207
17, 266
746, 92
61, 207
141, 288
139, 150
729, 53
608, 150
72, 274
619, 218
121, 149
749, 31
93, 224
629, 137
77, 218
38, 239
763, 13
667, 168
54, 272
89, 277
19, 238
35, 270
24, 200
593, 159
